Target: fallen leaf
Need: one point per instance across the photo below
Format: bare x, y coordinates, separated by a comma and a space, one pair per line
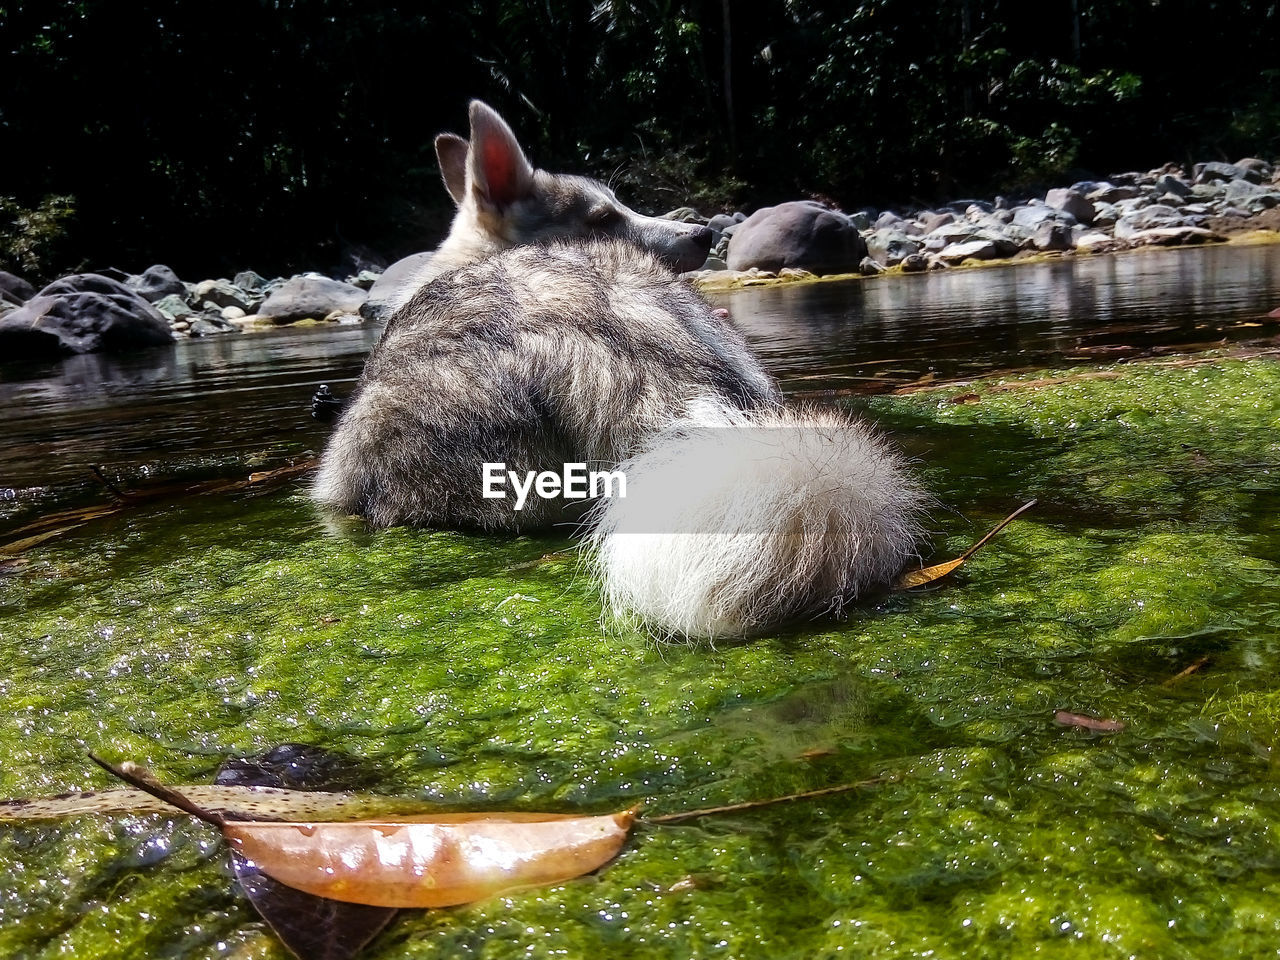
429, 861
918, 578
1085, 722
440, 862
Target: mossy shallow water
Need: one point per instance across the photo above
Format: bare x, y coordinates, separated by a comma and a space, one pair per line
475, 672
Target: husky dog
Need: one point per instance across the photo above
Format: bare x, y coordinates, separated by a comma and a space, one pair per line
553, 331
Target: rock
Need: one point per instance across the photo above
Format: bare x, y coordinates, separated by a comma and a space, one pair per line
1071, 202
158, 282
684, 215
1241, 192
251, 282
1174, 236
886, 220
221, 293
232, 313
890, 246
1033, 214
174, 307
1261, 167
1051, 235
1171, 200
799, 234
1171, 184
860, 220
869, 267
1208, 172
914, 263
300, 298
203, 327
1112, 193
1152, 217
14, 289
720, 221
971, 250
1094, 242
715, 263
82, 313
396, 285
930, 222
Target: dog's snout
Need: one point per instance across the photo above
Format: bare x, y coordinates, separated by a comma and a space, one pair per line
702, 236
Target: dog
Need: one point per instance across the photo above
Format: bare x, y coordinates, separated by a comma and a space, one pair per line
551, 330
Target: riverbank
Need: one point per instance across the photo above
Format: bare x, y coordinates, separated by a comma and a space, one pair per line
1211, 203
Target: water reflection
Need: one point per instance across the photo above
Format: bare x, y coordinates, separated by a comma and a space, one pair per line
870, 334
221, 398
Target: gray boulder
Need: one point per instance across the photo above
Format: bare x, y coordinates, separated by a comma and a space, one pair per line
82, 313
799, 234
221, 293
1208, 172
174, 307
398, 283
1051, 235
969, 250
157, 282
15, 290
300, 298
251, 282
890, 246
1072, 202
1156, 216
1034, 214
720, 221
1171, 184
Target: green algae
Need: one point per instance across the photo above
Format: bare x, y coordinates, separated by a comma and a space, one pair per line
476, 673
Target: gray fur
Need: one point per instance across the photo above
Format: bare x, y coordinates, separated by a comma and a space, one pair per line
534, 357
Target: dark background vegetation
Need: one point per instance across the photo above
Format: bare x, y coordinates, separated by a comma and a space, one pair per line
281, 134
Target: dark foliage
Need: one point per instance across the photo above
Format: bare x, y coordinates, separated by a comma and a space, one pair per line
284, 134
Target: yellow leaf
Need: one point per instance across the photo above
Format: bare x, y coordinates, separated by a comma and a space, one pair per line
437, 862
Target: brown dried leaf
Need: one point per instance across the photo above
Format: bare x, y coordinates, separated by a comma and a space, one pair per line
440, 862
918, 578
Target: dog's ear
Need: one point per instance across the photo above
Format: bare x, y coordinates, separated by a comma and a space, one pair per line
497, 170
451, 151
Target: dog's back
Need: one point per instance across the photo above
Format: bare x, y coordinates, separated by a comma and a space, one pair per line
534, 357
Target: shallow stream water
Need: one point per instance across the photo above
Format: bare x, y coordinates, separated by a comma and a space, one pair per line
475, 672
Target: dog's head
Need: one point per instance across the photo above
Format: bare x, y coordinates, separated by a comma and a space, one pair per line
499, 192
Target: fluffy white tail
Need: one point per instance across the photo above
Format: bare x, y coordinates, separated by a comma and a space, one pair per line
735, 522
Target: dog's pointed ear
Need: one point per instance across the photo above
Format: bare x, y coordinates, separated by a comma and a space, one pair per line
497, 170
451, 151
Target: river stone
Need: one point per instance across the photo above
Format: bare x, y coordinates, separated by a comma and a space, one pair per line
972, 250
300, 298
869, 267
1072, 202
1207, 172
930, 222
221, 293
1051, 235
157, 282
250, 282
890, 246
799, 234
1112, 193
1173, 236
14, 289
174, 307
82, 313
1033, 214
1155, 216
397, 284
720, 221
1171, 184
914, 264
